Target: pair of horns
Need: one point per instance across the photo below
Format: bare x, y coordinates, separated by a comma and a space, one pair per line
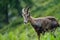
27, 8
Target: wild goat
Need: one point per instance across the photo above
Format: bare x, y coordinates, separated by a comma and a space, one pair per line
42, 24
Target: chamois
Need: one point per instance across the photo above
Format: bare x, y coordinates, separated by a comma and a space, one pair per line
42, 24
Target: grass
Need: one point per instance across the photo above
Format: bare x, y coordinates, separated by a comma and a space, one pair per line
16, 30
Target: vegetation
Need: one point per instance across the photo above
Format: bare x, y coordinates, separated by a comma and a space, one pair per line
11, 20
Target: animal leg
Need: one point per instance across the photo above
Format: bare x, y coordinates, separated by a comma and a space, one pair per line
38, 34
43, 32
52, 32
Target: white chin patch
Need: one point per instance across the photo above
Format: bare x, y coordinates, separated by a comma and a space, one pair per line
25, 22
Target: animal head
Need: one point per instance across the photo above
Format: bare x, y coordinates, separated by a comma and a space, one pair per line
25, 14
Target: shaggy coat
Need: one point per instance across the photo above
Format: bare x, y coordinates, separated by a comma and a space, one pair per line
42, 24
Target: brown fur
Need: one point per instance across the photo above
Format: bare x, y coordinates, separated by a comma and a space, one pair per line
48, 23
42, 24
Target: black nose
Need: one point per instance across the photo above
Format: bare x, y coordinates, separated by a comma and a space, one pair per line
25, 22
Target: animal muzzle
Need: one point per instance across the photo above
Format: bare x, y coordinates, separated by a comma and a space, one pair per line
25, 22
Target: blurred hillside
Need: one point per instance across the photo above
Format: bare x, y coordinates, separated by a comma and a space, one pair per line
11, 20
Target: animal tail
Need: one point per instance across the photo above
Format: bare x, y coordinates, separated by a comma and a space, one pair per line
58, 25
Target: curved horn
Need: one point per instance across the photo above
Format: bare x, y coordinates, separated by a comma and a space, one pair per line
23, 10
27, 8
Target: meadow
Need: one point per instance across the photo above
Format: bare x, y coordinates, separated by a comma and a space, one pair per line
17, 30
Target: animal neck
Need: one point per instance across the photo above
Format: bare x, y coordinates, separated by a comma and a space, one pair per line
31, 19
